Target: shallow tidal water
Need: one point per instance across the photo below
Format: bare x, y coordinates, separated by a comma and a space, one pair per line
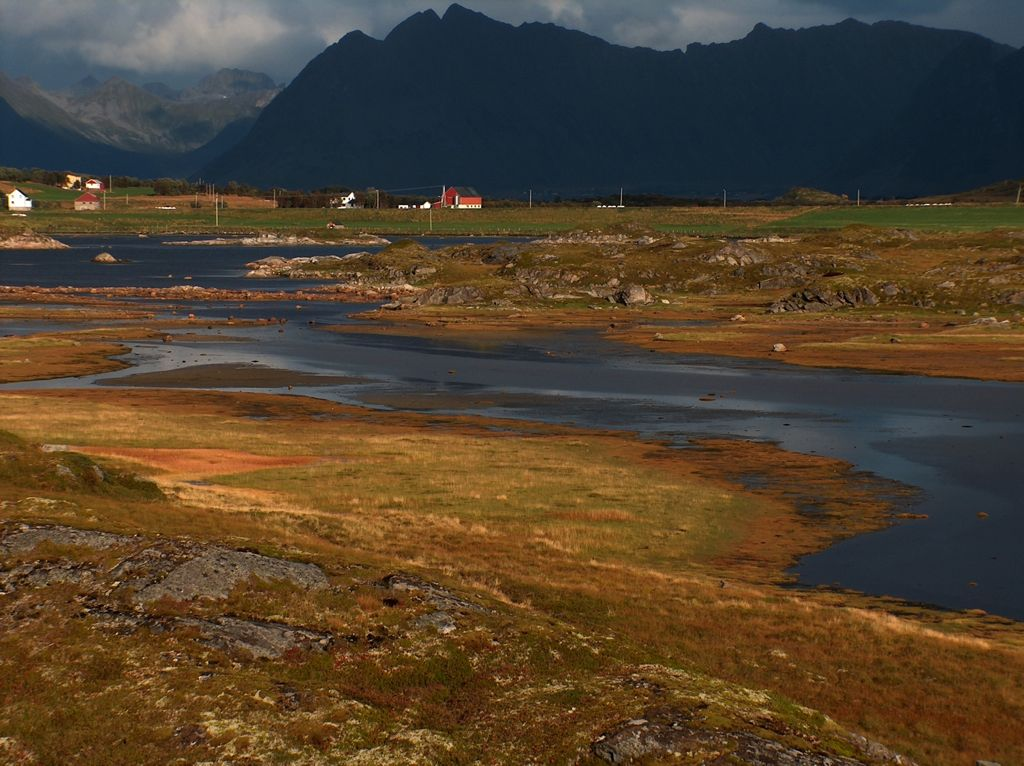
960, 442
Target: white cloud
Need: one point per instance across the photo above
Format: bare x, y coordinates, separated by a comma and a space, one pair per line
219, 34
179, 38
565, 11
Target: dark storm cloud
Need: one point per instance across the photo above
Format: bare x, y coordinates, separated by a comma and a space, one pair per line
59, 41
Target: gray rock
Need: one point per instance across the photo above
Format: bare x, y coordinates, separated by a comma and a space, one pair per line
449, 296
441, 621
778, 283
104, 258
41, 574
438, 595
670, 737
261, 640
216, 571
633, 295
503, 255
825, 298
25, 538
735, 254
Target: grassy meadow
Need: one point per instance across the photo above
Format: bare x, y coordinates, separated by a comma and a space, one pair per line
139, 214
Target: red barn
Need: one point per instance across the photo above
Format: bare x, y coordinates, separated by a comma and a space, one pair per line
87, 201
461, 197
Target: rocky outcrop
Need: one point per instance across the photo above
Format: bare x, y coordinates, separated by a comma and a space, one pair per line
449, 296
303, 267
177, 571
445, 603
638, 740
104, 258
825, 298
633, 295
29, 240
667, 734
735, 254
277, 240
259, 639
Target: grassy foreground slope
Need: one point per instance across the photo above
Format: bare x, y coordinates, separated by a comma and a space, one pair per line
620, 580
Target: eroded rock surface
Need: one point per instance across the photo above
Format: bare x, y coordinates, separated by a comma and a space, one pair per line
825, 298
150, 571
640, 739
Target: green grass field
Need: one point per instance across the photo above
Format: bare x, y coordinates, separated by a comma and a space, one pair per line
955, 218
702, 221
43, 193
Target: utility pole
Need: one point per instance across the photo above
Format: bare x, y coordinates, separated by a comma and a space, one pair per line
378, 198
216, 211
1019, 188
858, 197
431, 217
725, 198
621, 197
275, 197
531, 199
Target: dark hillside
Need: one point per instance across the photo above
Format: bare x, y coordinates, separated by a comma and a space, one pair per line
537, 106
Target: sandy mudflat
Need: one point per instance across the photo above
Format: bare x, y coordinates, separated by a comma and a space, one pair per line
230, 376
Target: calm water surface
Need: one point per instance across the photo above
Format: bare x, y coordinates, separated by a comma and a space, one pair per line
961, 442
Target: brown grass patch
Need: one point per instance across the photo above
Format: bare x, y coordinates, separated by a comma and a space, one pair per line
198, 462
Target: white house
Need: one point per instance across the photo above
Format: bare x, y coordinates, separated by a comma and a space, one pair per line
94, 185
18, 201
344, 202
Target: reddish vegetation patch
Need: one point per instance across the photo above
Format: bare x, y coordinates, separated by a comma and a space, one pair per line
198, 462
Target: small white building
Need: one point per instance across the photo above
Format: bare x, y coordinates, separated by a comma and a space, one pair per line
344, 203
18, 201
94, 184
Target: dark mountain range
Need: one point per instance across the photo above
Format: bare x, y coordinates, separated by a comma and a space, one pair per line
891, 108
119, 127
228, 83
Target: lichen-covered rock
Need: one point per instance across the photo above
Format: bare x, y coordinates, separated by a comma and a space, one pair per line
449, 296
824, 298
735, 254
636, 740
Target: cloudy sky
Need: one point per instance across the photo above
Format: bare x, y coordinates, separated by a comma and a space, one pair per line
57, 42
